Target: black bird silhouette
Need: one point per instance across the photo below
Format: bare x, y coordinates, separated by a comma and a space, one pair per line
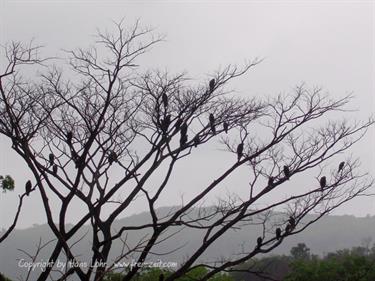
69, 138
28, 187
278, 233
212, 123
225, 126
184, 128
239, 151
161, 277
292, 222
54, 169
183, 139
259, 242
74, 155
341, 166
323, 182
165, 100
270, 181
286, 172
112, 157
213, 128
177, 125
288, 228
211, 118
212, 85
196, 140
165, 123
14, 143
51, 158
78, 161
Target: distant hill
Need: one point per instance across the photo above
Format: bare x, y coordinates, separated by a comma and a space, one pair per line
329, 234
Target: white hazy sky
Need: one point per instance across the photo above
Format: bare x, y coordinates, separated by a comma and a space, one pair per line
323, 43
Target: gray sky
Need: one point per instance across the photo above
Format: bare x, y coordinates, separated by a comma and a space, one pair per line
322, 43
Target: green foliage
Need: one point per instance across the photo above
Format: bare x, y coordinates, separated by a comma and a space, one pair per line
273, 267
6, 183
300, 252
3, 278
341, 266
154, 273
113, 276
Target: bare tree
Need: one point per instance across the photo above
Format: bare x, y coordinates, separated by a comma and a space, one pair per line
74, 127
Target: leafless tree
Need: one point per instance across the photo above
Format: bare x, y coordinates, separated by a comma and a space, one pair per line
75, 126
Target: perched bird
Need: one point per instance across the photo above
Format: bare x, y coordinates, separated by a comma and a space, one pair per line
54, 169
14, 144
259, 242
165, 100
161, 277
213, 129
28, 187
78, 161
323, 182
341, 166
239, 151
75, 156
196, 140
292, 222
69, 138
286, 172
211, 118
184, 128
225, 126
288, 228
51, 158
212, 85
278, 233
183, 140
212, 123
165, 123
178, 123
270, 181
112, 157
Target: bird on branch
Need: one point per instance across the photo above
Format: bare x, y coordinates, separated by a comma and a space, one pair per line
183, 140
51, 159
212, 85
184, 128
212, 123
112, 157
341, 166
239, 151
292, 222
75, 156
177, 125
278, 233
28, 187
259, 242
288, 228
165, 100
286, 172
196, 140
69, 138
225, 126
54, 169
270, 181
323, 182
165, 123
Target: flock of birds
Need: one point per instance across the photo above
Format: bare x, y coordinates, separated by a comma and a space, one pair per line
292, 222
183, 128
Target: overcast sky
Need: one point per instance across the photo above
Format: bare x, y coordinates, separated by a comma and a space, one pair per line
327, 43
